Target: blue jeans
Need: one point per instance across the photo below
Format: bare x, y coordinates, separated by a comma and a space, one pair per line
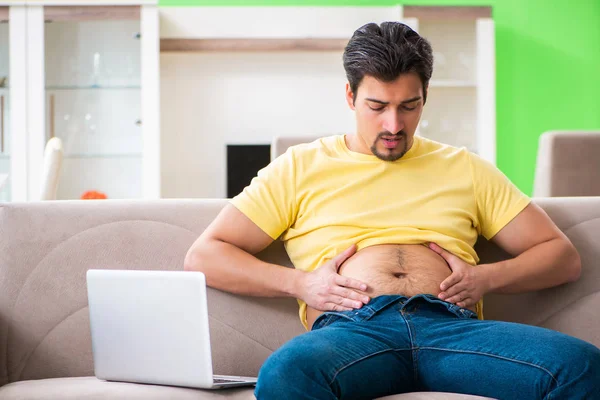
397, 344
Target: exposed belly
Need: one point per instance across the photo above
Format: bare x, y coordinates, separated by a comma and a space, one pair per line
394, 269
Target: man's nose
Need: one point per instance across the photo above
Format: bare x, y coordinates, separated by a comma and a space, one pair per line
393, 122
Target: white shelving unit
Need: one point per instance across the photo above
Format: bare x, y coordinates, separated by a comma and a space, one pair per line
461, 104
88, 73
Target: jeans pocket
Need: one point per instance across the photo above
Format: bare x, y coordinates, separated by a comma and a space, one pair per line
329, 317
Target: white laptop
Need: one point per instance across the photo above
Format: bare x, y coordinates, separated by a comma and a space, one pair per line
152, 327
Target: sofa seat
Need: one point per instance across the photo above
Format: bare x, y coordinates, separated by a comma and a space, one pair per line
91, 388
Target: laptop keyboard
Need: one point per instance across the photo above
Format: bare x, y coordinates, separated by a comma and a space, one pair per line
222, 380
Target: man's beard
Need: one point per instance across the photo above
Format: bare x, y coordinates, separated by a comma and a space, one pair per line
390, 155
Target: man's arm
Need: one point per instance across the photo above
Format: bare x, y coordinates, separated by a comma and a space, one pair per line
224, 253
543, 257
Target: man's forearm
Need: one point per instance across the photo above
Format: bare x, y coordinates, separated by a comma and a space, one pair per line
545, 265
233, 270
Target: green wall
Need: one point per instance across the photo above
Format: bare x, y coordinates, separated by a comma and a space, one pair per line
547, 68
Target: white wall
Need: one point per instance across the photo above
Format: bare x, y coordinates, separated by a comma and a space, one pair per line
209, 100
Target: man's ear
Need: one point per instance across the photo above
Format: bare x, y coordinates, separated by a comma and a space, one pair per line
349, 96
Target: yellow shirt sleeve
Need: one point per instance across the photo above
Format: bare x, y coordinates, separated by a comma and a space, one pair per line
498, 199
270, 199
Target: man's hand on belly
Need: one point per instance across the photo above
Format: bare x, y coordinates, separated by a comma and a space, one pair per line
324, 289
466, 286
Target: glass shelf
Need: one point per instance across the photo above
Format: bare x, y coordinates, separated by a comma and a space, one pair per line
132, 87
102, 156
118, 175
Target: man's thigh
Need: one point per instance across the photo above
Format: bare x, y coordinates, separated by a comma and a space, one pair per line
501, 359
346, 358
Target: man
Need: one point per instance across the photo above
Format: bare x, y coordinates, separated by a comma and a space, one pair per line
380, 226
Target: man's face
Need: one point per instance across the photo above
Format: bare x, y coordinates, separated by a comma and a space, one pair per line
387, 115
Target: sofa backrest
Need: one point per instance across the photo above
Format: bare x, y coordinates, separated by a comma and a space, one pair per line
47, 247
567, 164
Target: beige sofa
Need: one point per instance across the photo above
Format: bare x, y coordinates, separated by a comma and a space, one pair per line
46, 248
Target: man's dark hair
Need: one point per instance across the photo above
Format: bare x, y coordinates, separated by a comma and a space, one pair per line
385, 52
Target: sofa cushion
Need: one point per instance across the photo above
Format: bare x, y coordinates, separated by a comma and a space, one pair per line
570, 308
90, 388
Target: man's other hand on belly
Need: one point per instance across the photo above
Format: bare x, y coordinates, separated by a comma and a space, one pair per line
325, 289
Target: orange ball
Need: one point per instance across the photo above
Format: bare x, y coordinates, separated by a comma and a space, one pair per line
93, 195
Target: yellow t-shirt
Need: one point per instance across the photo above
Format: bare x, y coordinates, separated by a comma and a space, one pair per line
320, 198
